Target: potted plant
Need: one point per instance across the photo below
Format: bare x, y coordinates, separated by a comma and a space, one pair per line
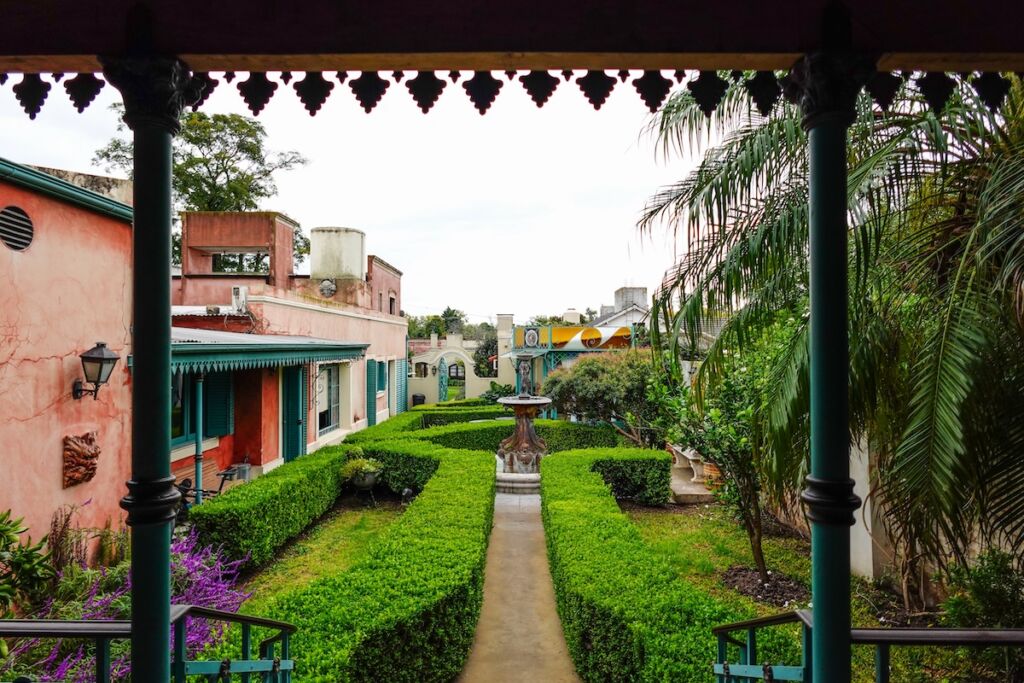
362, 472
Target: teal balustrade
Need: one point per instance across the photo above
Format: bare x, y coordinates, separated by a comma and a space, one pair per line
273, 665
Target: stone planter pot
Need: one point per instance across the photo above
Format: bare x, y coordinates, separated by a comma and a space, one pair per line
364, 481
712, 475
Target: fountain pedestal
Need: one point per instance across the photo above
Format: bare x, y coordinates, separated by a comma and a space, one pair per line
519, 455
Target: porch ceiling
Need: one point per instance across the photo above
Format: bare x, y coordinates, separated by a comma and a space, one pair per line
330, 35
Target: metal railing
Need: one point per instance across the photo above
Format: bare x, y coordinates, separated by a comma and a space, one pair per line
883, 639
273, 665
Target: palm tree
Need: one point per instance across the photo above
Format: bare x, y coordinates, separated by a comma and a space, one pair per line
936, 296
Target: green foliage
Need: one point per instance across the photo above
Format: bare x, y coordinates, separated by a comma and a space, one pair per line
220, 163
488, 347
356, 466
936, 261
255, 519
459, 403
989, 594
625, 615
461, 413
641, 475
390, 428
408, 610
25, 569
498, 391
486, 436
608, 387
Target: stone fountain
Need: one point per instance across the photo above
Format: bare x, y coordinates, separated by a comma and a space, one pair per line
521, 452
519, 455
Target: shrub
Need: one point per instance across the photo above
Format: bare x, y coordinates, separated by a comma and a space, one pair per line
393, 426
625, 613
989, 594
435, 417
25, 568
199, 576
640, 474
408, 610
558, 434
250, 522
454, 404
356, 466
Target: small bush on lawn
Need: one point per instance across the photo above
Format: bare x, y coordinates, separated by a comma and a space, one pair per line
408, 610
255, 519
625, 614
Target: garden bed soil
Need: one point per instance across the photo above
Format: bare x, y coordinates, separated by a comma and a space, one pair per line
780, 591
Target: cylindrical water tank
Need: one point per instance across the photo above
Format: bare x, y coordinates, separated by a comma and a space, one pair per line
337, 253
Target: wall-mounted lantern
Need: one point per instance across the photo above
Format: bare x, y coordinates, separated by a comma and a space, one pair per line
97, 364
433, 369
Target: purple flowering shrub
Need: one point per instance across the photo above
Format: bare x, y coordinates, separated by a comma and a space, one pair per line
199, 576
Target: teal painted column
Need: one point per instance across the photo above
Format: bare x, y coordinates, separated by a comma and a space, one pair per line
154, 91
827, 84
200, 390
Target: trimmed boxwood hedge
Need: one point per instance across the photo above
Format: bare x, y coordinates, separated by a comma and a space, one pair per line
408, 610
257, 518
625, 613
486, 436
442, 416
457, 403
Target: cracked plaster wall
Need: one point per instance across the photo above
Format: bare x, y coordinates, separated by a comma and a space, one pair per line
69, 289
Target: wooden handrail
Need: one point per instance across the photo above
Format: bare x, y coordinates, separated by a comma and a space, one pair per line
938, 637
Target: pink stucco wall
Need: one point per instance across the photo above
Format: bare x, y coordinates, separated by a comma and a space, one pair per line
358, 312
68, 290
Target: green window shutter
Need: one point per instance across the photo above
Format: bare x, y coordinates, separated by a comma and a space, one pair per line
371, 393
218, 404
303, 408
402, 385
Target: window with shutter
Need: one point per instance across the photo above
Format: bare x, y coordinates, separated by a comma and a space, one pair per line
218, 404
371, 392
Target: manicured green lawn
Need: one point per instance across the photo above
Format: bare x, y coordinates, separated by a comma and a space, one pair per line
700, 543
329, 547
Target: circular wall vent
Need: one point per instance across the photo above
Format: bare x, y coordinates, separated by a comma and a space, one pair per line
16, 229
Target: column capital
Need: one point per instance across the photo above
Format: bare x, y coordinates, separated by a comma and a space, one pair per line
154, 89
825, 85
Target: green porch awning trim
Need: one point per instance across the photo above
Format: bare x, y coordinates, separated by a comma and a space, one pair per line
45, 184
203, 358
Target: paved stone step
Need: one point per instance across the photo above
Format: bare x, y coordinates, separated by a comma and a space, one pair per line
685, 491
518, 483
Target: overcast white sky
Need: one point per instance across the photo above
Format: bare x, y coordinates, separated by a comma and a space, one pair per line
524, 210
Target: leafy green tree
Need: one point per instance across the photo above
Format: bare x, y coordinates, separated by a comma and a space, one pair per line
221, 163
936, 303
481, 356
608, 387
453, 319
545, 320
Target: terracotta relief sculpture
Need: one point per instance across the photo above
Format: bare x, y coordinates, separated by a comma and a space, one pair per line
81, 454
